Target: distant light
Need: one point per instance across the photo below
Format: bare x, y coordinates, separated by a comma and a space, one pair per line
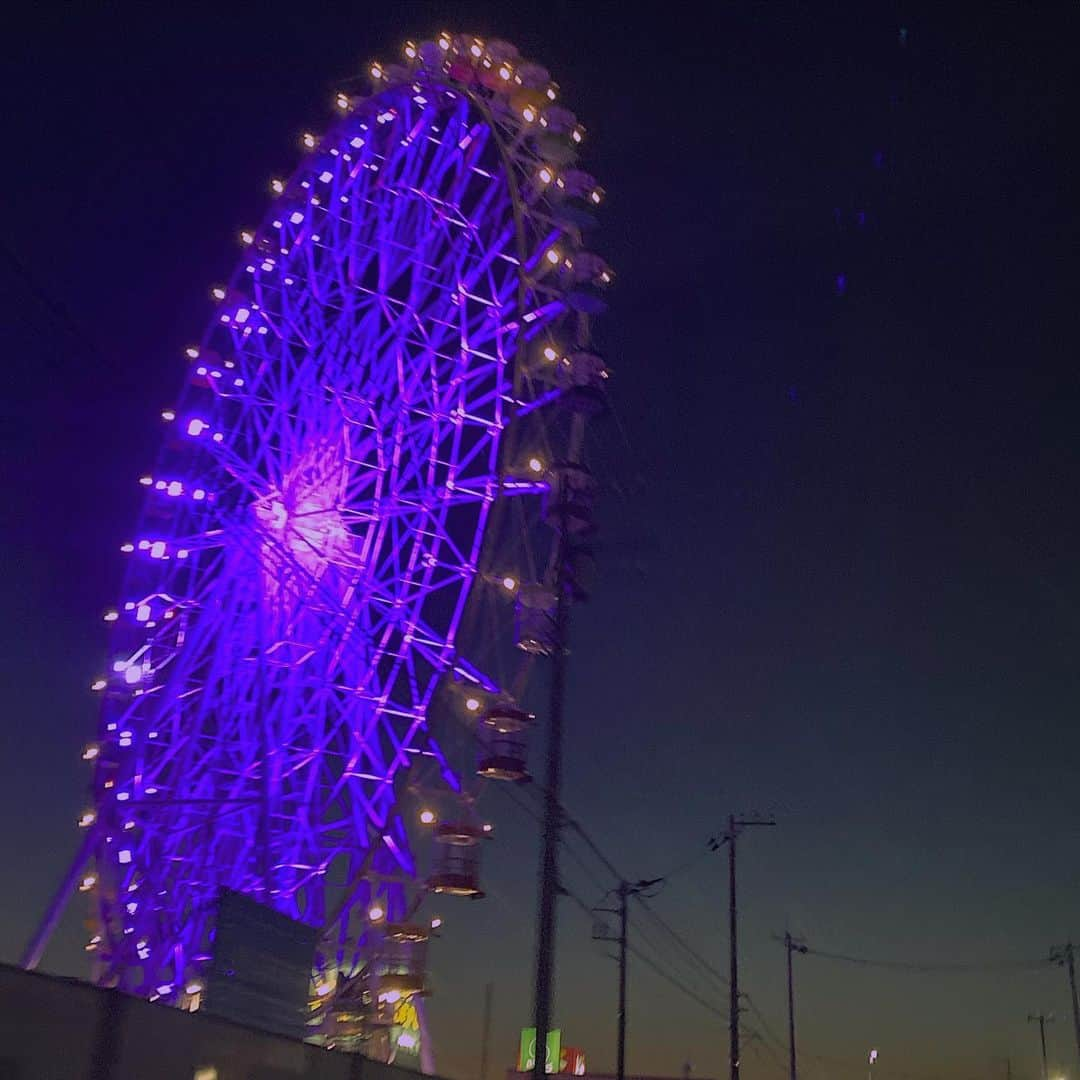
509, 584
88, 819
308, 140
472, 704
87, 883
247, 236
111, 616
546, 175
124, 856
195, 427
218, 292
873, 1056
375, 912
536, 465
192, 352
193, 988
553, 256
427, 817
277, 186
168, 414
322, 989
436, 923
488, 827
98, 684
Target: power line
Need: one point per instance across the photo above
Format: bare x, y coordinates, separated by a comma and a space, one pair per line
679, 940
676, 983
580, 830
648, 962
686, 947
948, 968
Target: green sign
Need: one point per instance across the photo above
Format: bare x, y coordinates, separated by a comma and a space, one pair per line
527, 1051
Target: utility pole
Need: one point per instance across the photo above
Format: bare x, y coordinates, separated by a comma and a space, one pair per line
1066, 958
485, 1031
1043, 1021
792, 945
715, 843
624, 891
549, 854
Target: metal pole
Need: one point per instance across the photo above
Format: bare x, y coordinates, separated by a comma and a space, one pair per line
485, 1034
733, 1019
549, 855
734, 824
31, 956
1070, 964
1042, 1018
620, 1066
790, 1009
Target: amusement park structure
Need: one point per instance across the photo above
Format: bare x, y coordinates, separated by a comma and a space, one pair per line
364, 522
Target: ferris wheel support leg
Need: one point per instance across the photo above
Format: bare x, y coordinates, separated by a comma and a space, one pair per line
36, 946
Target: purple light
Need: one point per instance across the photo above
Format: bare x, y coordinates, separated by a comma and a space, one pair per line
322, 533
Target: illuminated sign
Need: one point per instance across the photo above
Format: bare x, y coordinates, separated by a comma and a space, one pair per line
527, 1050
405, 1034
572, 1061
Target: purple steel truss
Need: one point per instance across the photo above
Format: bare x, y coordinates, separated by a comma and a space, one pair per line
350, 492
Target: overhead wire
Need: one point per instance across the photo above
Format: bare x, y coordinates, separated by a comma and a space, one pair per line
930, 968
649, 961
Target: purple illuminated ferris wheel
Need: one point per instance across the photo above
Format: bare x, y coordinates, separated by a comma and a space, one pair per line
346, 561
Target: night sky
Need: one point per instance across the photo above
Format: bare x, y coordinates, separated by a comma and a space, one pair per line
838, 575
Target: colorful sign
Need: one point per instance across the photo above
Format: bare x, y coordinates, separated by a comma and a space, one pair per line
527, 1050
572, 1061
405, 1035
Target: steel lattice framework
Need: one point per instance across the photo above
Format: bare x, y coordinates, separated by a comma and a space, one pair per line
355, 485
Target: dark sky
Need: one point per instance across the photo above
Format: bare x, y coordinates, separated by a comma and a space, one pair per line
839, 580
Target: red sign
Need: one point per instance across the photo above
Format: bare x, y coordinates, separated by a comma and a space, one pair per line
572, 1061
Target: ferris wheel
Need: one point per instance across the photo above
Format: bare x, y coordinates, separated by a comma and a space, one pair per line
347, 558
